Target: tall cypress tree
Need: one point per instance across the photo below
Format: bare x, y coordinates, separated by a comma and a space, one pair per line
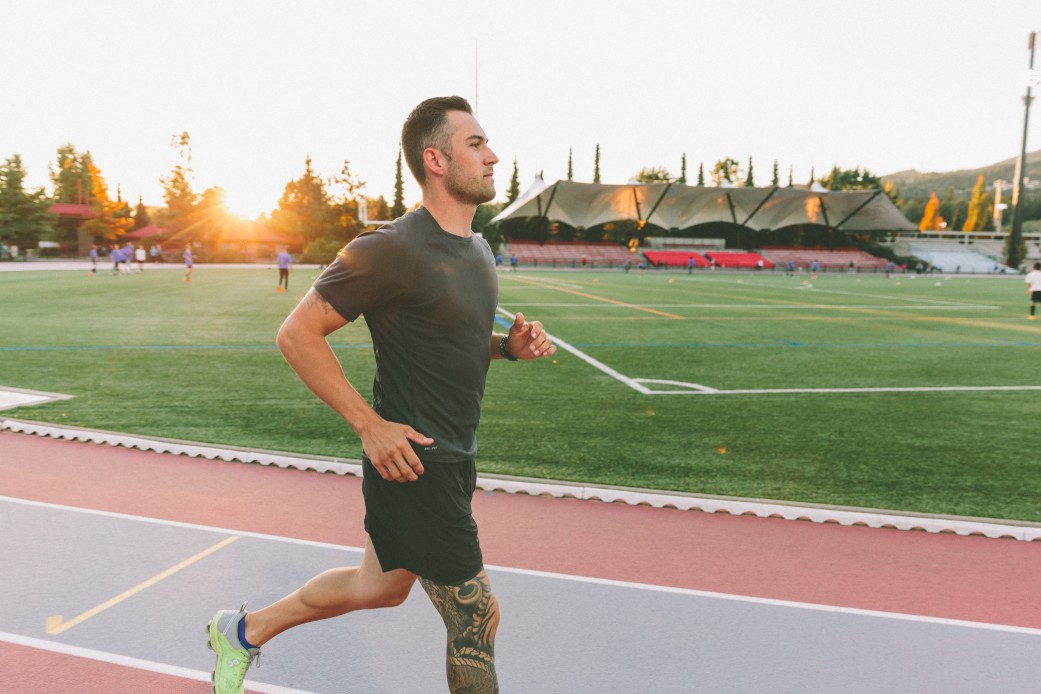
514, 190
701, 174
398, 208
596, 165
750, 180
683, 170
776, 179
570, 169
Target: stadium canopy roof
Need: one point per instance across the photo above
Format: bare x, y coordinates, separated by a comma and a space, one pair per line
677, 206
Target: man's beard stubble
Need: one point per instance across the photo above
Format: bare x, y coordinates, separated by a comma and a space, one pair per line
468, 191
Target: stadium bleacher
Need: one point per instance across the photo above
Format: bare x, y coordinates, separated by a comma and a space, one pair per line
827, 258
952, 256
738, 259
569, 254
675, 258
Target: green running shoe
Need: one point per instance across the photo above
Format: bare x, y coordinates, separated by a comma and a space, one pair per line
232, 659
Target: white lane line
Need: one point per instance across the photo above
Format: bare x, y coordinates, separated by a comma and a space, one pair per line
561, 576
136, 663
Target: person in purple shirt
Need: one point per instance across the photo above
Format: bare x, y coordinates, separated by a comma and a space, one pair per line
285, 262
188, 262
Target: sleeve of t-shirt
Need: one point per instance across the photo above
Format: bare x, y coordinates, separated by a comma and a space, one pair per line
367, 272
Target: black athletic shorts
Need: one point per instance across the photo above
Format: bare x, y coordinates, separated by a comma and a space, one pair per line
425, 526
1035, 297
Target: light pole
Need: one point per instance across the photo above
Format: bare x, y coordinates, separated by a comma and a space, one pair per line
1016, 235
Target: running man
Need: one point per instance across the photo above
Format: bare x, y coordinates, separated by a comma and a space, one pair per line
1033, 280
285, 262
427, 288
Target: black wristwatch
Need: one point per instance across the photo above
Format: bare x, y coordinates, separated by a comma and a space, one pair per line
504, 351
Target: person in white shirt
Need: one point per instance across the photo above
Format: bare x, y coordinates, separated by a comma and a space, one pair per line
1033, 280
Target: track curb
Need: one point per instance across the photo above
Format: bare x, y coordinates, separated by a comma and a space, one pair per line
762, 508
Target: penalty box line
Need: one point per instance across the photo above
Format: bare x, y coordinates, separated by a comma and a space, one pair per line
686, 388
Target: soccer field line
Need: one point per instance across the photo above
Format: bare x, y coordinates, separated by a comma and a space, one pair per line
640, 385
902, 307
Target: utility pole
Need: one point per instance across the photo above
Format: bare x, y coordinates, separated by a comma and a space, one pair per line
1016, 235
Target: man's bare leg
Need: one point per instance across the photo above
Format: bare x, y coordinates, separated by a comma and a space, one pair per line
331, 594
471, 616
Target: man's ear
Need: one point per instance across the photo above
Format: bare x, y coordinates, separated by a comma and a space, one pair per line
435, 161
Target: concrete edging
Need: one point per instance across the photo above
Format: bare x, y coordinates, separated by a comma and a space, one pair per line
993, 528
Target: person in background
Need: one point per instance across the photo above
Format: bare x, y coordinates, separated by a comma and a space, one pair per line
188, 262
1033, 280
285, 263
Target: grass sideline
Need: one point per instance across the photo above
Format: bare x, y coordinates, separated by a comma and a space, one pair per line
152, 355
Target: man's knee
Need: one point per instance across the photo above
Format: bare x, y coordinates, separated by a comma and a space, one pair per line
470, 611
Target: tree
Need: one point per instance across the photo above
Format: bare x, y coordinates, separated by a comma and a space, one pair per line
112, 217
653, 174
701, 174
514, 190
931, 219
683, 170
24, 215
180, 199
813, 176
750, 178
304, 210
141, 218
791, 183
398, 208
981, 208
71, 179
851, 179
570, 170
345, 193
596, 165
776, 180
725, 170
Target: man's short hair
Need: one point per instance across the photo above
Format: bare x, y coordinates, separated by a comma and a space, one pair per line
1037, 266
427, 126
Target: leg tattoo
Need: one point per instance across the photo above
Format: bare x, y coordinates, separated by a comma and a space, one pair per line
471, 616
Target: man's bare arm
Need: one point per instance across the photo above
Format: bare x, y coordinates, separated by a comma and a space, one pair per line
302, 341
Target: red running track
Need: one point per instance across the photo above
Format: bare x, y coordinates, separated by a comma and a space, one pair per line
944, 576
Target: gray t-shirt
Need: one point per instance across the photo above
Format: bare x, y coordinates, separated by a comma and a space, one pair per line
429, 300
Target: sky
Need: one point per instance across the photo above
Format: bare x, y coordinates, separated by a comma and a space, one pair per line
260, 85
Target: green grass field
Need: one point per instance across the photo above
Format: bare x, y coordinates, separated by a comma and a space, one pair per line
152, 355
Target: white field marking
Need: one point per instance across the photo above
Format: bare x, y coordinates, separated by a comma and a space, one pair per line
698, 389
136, 663
881, 296
552, 575
19, 397
952, 307
687, 388
588, 359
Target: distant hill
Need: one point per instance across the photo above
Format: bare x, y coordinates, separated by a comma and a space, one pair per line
914, 182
